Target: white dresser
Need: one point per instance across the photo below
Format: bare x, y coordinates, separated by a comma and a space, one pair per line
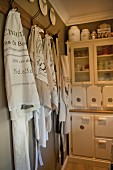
91, 138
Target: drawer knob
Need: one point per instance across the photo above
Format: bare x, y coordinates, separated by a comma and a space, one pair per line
81, 127
78, 99
110, 100
93, 100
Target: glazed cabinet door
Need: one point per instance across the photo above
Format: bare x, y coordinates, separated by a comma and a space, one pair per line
103, 59
82, 63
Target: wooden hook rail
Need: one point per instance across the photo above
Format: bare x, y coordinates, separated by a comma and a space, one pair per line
25, 16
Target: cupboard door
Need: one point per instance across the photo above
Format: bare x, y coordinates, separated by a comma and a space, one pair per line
83, 135
81, 63
108, 97
103, 55
79, 97
94, 97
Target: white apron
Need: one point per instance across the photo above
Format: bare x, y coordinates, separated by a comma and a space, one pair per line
51, 77
21, 89
39, 69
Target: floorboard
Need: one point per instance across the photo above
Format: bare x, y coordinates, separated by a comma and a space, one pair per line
73, 166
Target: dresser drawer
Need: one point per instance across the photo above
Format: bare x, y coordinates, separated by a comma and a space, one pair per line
103, 148
104, 125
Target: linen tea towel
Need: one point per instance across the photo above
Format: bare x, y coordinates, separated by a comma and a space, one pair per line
36, 51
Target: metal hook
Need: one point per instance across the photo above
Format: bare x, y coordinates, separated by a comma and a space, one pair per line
47, 27
58, 32
55, 36
11, 3
34, 16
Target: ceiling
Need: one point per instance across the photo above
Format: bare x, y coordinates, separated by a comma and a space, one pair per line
74, 12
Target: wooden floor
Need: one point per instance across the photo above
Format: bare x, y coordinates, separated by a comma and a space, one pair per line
72, 166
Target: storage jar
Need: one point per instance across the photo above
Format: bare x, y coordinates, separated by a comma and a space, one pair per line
74, 34
85, 34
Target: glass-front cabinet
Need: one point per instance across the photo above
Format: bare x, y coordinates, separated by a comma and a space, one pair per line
91, 62
103, 56
81, 63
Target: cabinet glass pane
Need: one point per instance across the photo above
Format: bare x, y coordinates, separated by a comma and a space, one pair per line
105, 63
81, 64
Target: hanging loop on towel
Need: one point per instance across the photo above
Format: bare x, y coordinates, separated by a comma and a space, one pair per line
11, 5
34, 16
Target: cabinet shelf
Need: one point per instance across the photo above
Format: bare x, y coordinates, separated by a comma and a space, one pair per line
85, 71
108, 70
85, 57
105, 55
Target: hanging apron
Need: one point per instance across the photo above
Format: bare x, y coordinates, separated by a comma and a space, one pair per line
51, 75
39, 69
22, 95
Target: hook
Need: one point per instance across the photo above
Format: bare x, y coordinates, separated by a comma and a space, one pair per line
34, 16
47, 27
11, 3
55, 36
58, 32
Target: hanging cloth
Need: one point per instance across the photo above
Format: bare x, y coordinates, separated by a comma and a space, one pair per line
48, 62
51, 71
21, 89
40, 127
65, 78
51, 76
63, 118
65, 90
20, 82
38, 155
36, 51
56, 57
